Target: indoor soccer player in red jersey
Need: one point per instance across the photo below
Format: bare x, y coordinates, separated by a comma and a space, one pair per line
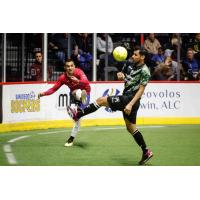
79, 87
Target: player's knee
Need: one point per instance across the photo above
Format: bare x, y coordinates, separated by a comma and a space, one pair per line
102, 101
77, 94
131, 128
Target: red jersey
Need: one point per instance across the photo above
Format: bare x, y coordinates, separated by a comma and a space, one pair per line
63, 79
36, 72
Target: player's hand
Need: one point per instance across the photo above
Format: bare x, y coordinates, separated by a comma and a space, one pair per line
120, 76
128, 109
74, 79
40, 95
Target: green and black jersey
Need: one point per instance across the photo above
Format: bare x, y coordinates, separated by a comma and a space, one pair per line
134, 77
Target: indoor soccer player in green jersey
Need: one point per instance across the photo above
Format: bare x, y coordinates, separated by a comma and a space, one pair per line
136, 75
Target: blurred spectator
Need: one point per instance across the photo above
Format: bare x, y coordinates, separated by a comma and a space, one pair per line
36, 68
174, 46
196, 46
158, 58
101, 44
171, 47
84, 57
168, 70
84, 42
174, 39
168, 53
101, 53
163, 72
173, 64
153, 60
191, 65
151, 44
59, 45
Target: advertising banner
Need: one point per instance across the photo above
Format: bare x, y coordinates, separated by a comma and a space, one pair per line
20, 102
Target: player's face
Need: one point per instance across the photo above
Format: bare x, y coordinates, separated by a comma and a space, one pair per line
137, 58
69, 68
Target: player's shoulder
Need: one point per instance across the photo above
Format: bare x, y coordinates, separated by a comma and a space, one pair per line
127, 65
78, 70
62, 76
145, 69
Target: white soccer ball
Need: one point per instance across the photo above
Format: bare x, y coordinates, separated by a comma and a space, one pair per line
120, 53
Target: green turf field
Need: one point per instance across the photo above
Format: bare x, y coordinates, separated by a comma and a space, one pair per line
177, 145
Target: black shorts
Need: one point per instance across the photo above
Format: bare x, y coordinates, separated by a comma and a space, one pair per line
120, 102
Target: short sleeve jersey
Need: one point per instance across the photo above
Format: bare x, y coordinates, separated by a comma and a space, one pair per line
134, 77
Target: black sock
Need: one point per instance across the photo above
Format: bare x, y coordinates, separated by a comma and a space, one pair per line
140, 140
89, 109
71, 139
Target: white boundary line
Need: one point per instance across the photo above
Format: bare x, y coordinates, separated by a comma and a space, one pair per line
18, 138
11, 158
51, 132
9, 155
8, 149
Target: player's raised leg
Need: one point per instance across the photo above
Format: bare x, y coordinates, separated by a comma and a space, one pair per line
77, 114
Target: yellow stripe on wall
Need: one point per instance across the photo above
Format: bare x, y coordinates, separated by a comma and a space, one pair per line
22, 126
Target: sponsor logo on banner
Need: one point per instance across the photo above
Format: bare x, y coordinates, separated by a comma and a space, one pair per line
63, 101
110, 92
26, 102
161, 100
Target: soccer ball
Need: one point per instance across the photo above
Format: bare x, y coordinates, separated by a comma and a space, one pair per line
120, 53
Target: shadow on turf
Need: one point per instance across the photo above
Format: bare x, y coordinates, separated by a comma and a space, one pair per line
126, 162
82, 145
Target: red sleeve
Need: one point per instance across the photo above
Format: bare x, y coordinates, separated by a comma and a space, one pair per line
83, 78
56, 86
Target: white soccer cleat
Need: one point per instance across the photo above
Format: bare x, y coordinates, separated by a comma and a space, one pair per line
67, 144
84, 97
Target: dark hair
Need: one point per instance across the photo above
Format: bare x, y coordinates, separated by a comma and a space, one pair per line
37, 52
141, 50
69, 60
